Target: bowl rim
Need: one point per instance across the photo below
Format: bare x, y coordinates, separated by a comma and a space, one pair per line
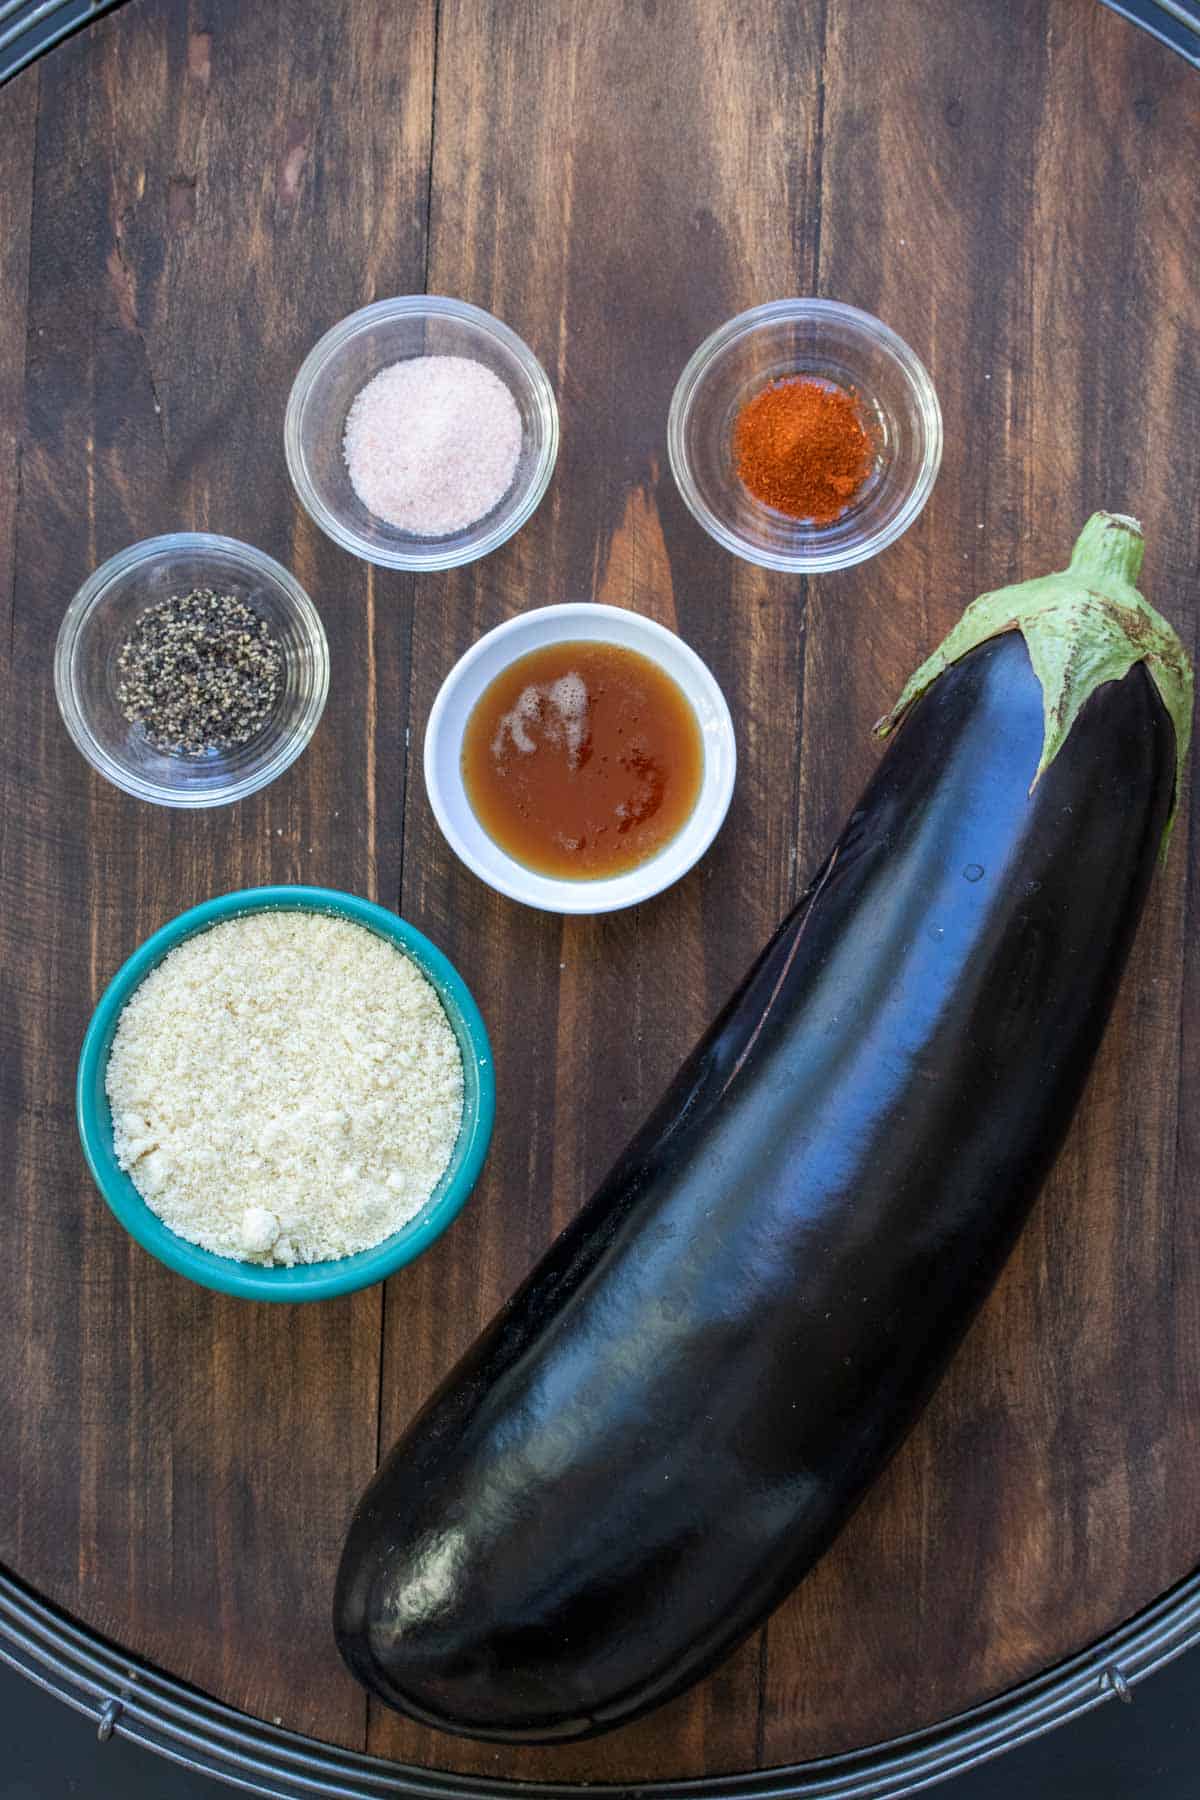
302, 1281
774, 312
453, 552
91, 595
505, 875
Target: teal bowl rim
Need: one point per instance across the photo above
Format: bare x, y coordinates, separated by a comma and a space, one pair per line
308, 1281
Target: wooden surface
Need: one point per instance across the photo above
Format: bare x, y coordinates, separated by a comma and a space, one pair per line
192, 191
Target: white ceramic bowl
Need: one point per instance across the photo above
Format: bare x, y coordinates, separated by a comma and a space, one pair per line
466, 683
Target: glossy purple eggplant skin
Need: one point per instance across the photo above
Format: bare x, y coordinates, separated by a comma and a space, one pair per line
668, 1423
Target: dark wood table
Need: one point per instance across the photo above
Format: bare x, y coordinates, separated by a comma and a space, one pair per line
192, 191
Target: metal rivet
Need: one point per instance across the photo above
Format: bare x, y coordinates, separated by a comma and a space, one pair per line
109, 1715
1114, 1679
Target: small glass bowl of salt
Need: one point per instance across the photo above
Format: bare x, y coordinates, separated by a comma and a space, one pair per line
420, 432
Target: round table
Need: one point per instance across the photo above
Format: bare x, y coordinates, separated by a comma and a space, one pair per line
192, 193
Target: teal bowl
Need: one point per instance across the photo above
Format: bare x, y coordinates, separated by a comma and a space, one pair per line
309, 1281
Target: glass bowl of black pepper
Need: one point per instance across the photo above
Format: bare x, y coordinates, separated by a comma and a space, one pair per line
191, 669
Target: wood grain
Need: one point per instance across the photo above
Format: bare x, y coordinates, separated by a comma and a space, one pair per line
625, 234
19, 1425
204, 207
18, 117
1038, 1497
192, 194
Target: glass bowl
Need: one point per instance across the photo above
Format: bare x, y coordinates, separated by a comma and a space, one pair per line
342, 363
97, 623
301, 1281
836, 343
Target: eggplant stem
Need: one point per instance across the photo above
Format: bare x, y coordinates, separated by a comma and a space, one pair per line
1084, 625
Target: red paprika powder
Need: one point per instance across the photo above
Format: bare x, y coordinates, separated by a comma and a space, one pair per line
802, 446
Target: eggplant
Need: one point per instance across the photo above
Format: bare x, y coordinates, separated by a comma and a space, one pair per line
683, 1403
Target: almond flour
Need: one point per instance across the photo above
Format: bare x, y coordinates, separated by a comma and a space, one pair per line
285, 1088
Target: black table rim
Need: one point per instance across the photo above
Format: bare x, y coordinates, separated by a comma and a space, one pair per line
128, 1697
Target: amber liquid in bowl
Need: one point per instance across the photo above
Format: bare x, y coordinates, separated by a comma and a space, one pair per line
582, 760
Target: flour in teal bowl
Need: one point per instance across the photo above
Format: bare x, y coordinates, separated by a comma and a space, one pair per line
285, 1088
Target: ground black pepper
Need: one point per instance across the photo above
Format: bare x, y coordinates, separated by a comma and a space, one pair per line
199, 672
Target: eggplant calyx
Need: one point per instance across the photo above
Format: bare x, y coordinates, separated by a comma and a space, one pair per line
1084, 625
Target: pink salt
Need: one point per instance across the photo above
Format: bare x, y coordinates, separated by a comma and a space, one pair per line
432, 444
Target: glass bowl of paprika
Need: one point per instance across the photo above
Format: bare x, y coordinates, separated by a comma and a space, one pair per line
805, 435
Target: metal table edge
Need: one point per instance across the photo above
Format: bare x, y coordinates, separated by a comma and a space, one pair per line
29, 28
124, 1695
1172, 22
129, 1697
